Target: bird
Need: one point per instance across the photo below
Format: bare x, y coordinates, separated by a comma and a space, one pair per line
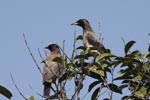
51, 68
91, 40
89, 37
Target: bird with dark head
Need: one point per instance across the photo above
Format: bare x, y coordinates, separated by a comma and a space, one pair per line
51, 68
84, 24
89, 37
53, 47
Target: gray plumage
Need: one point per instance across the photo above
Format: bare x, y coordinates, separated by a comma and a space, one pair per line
51, 69
89, 37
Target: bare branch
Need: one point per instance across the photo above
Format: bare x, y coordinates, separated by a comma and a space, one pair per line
74, 45
68, 58
100, 34
31, 54
40, 54
102, 93
112, 76
62, 84
63, 47
44, 49
123, 41
35, 91
79, 82
17, 87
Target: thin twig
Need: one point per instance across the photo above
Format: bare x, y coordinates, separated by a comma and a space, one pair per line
35, 91
63, 47
66, 55
100, 37
77, 90
112, 76
74, 45
69, 59
105, 83
80, 81
100, 34
62, 84
102, 93
99, 26
73, 96
123, 41
45, 52
40, 54
17, 87
31, 54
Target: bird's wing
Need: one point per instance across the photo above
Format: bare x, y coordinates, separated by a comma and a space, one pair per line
50, 71
93, 40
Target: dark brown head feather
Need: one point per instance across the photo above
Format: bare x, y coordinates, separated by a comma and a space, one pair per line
52, 47
84, 23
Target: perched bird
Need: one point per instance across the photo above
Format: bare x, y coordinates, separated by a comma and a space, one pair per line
89, 37
51, 69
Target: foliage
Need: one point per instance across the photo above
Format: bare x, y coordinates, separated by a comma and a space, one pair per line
134, 73
5, 92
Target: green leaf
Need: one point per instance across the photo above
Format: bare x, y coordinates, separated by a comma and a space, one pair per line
137, 78
115, 88
102, 56
141, 92
80, 37
95, 93
96, 71
31, 98
123, 86
106, 99
58, 60
64, 60
94, 75
93, 48
147, 55
81, 48
149, 48
136, 52
125, 98
49, 81
81, 57
93, 85
124, 77
5, 92
128, 46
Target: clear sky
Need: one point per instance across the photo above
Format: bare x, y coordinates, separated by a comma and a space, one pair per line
48, 21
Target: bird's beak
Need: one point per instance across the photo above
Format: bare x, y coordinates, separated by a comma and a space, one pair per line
43, 61
45, 47
75, 23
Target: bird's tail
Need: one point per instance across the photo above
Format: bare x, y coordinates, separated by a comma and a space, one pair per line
46, 92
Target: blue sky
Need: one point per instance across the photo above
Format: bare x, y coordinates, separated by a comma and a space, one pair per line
48, 21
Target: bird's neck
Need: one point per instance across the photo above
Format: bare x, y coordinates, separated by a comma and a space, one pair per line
88, 28
56, 52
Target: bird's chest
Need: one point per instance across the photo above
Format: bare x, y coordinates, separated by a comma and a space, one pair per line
49, 60
86, 41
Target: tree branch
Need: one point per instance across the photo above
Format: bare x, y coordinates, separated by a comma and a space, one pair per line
35, 91
17, 87
31, 54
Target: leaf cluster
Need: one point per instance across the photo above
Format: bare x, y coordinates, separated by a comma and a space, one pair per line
134, 73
